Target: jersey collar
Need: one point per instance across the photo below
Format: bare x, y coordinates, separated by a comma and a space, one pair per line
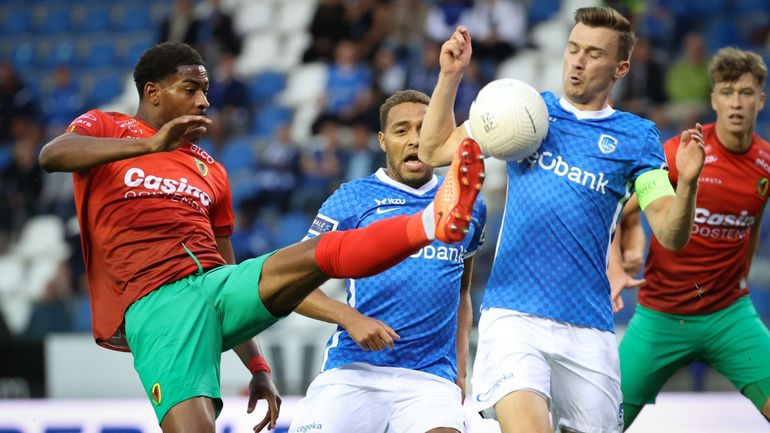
601, 114
384, 178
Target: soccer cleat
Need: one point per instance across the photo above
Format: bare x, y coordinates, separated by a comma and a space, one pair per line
454, 201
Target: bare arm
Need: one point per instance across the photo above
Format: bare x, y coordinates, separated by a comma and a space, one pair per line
671, 217
72, 152
369, 333
440, 135
632, 238
464, 323
616, 274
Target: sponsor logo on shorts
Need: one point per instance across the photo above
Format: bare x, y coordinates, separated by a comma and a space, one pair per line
486, 396
322, 224
313, 426
156, 394
203, 169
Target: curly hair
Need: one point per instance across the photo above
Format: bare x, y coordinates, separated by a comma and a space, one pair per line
730, 63
161, 61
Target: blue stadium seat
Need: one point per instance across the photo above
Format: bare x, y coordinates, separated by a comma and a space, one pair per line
106, 88
760, 297
23, 55
62, 52
263, 87
56, 21
267, 119
17, 21
541, 10
291, 228
750, 6
100, 54
136, 17
721, 32
136, 48
238, 154
96, 19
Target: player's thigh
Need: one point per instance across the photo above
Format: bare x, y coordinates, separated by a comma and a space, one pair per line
739, 348
654, 346
509, 358
194, 415
340, 408
422, 404
235, 291
585, 381
176, 340
523, 411
289, 275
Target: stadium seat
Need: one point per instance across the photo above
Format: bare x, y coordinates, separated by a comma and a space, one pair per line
305, 85
294, 16
100, 54
23, 55
721, 32
292, 48
549, 36
105, 88
302, 126
238, 154
136, 48
541, 10
267, 119
264, 86
42, 236
135, 18
96, 19
62, 52
16, 22
56, 21
254, 17
260, 51
524, 66
291, 228
743, 7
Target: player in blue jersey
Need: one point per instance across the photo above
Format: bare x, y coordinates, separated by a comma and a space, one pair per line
546, 337
420, 310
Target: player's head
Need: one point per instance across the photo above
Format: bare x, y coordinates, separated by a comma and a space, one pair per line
400, 122
597, 55
172, 80
737, 82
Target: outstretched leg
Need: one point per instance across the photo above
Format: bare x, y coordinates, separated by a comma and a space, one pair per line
293, 272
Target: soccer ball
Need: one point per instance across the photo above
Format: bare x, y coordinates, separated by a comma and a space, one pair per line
508, 119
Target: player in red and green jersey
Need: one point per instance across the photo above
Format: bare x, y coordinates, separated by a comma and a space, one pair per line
156, 218
693, 305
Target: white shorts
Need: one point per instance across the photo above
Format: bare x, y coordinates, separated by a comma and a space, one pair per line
575, 368
365, 398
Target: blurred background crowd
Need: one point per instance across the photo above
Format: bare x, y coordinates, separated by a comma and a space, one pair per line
295, 91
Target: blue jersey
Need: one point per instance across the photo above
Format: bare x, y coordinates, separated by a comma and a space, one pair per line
418, 297
562, 207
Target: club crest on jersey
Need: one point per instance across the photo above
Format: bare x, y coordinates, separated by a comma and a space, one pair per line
156, 395
203, 169
762, 186
607, 143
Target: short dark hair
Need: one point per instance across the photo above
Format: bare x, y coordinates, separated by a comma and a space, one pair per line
400, 97
609, 18
161, 61
730, 63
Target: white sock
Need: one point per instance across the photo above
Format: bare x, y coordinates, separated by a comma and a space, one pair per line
429, 222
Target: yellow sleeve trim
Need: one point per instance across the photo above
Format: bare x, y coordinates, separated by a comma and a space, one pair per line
652, 185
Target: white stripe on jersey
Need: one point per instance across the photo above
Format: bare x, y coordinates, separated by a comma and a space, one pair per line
334, 343
352, 291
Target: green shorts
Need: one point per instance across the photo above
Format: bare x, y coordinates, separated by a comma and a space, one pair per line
733, 341
177, 333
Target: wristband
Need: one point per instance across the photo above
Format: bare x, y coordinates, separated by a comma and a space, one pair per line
257, 363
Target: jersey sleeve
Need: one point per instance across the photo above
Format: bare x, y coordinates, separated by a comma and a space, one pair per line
93, 123
480, 221
222, 218
651, 155
338, 212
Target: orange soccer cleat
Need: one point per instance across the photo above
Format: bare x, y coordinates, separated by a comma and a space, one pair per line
454, 201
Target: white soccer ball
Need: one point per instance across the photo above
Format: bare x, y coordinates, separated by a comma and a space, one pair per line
508, 119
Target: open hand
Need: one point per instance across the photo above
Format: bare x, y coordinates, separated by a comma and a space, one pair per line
262, 387
690, 154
